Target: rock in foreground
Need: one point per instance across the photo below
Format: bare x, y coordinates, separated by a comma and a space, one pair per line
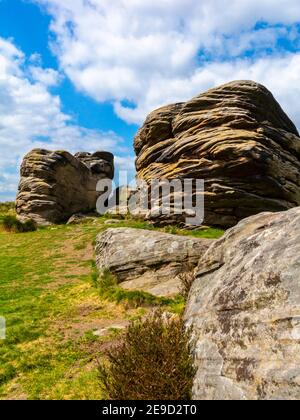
238, 139
148, 260
245, 309
56, 185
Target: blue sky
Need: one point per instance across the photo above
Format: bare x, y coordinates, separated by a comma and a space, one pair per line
83, 74
28, 24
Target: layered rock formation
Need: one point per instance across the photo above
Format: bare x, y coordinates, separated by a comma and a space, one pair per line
55, 185
148, 260
245, 310
238, 139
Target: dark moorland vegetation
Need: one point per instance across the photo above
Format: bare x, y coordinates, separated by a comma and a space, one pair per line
152, 362
10, 223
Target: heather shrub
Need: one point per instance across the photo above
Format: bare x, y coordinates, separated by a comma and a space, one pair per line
153, 361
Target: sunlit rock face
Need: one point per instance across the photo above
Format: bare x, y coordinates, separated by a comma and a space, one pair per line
148, 260
238, 139
56, 185
244, 308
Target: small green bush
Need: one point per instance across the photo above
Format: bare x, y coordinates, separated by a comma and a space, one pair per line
11, 224
153, 362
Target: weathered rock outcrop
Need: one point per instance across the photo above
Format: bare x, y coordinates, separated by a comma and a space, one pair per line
55, 185
238, 139
245, 310
148, 260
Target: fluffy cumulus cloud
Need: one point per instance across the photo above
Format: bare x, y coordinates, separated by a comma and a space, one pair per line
140, 54
30, 116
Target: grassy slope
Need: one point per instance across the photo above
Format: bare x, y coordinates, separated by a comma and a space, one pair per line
52, 310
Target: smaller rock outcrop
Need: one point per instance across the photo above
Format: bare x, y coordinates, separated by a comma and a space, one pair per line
80, 218
148, 260
56, 185
244, 307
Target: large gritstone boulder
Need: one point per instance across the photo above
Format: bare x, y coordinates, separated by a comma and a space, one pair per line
148, 260
55, 185
244, 307
238, 139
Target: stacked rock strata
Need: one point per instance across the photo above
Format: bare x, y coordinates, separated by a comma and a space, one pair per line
238, 139
56, 185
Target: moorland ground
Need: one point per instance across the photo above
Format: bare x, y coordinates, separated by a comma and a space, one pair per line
59, 324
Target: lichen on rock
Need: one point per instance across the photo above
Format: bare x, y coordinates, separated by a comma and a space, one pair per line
244, 307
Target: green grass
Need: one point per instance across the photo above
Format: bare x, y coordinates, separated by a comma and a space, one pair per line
108, 288
42, 290
51, 305
204, 232
8, 207
6, 210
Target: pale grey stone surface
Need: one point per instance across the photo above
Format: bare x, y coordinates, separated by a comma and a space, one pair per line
245, 310
148, 260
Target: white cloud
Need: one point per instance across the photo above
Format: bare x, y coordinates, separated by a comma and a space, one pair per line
280, 75
151, 52
30, 117
145, 53
125, 163
47, 77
